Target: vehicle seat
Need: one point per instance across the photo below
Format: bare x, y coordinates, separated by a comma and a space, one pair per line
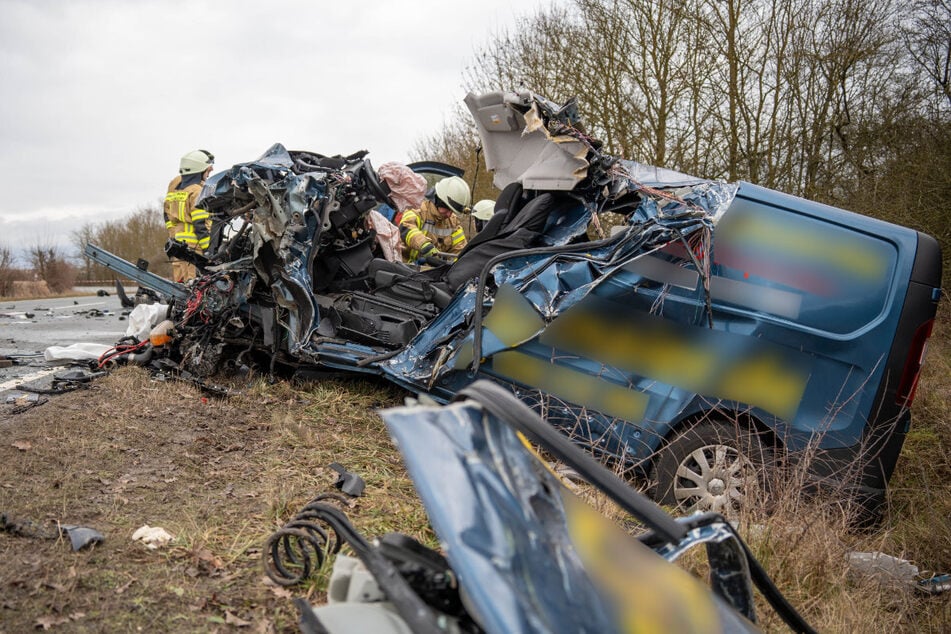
405, 284
508, 203
518, 228
517, 225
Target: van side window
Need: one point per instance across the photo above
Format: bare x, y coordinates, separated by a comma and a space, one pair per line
799, 269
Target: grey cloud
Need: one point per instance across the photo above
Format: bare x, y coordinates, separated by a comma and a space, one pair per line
101, 98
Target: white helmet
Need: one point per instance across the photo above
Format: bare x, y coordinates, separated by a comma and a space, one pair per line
453, 192
195, 162
484, 209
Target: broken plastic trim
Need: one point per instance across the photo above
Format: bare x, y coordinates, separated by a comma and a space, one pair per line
350, 483
81, 536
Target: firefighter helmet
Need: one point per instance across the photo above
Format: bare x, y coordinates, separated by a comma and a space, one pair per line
453, 192
195, 162
484, 209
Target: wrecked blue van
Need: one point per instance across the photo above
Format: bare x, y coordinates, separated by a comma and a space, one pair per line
714, 331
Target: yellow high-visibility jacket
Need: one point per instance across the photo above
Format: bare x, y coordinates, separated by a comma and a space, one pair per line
427, 225
185, 222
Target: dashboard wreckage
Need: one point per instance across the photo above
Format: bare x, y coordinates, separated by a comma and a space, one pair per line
716, 328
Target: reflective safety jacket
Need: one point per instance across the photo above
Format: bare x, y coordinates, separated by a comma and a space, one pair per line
185, 222
425, 224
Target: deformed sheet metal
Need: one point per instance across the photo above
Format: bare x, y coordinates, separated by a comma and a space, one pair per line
530, 555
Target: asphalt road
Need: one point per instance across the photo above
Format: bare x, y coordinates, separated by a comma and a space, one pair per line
28, 327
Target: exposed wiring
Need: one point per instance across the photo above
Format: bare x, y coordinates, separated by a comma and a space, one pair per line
119, 350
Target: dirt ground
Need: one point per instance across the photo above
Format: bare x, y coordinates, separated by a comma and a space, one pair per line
220, 474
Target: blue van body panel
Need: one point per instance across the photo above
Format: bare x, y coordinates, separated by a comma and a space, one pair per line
853, 361
837, 344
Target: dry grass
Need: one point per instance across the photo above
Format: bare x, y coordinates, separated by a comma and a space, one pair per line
220, 475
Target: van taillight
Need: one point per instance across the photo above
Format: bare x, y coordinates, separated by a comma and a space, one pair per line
913, 363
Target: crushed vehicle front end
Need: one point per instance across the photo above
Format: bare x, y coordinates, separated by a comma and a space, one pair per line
290, 233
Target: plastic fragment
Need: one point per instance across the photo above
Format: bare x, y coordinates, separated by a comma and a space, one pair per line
75, 352
82, 536
883, 567
349, 483
152, 536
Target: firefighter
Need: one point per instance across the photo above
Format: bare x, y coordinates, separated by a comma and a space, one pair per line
434, 228
185, 222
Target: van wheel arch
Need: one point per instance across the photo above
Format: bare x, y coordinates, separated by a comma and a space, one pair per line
716, 461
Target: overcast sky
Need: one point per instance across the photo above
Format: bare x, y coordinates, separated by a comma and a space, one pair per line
101, 98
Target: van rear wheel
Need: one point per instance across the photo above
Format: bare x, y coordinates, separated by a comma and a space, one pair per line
713, 466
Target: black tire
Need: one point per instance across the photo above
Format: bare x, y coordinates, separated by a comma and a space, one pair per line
714, 466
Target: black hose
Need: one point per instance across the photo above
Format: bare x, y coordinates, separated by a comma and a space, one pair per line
377, 358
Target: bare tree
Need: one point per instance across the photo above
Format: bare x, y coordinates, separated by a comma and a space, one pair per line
80, 238
8, 272
928, 40
50, 265
140, 235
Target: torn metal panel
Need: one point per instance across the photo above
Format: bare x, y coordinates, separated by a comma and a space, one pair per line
531, 555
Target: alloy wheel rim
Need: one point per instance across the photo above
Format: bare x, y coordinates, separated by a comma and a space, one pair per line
715, 478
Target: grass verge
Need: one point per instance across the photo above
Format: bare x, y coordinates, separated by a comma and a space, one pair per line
221, 475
